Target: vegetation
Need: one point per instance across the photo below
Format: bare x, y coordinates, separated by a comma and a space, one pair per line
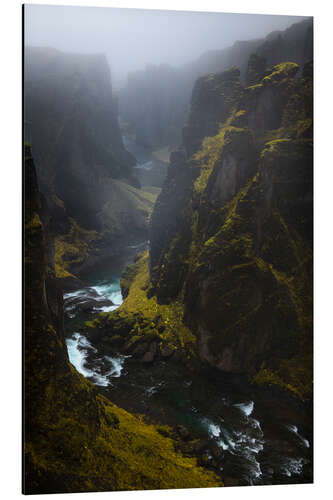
230, 284
72, 248
281, 74
211, 149
248, 279
128, 207
76, 440
141, 318
294, 375
109, 450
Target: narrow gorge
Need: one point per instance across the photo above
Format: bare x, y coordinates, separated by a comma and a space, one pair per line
168, 270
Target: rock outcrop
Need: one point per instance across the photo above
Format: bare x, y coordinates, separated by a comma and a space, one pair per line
230, 262
246, 269
75, 439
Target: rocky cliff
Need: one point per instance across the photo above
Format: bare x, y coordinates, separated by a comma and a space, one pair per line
246, 268
76, 440
155, 102
229, 274
84, 170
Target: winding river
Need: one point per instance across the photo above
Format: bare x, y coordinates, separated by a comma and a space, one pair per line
260, 438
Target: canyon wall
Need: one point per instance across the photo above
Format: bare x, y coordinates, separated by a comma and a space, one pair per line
75, 439
228, 278
84, 170
155, 103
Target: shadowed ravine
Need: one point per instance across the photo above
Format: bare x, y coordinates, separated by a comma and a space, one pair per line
254, 437
168, 263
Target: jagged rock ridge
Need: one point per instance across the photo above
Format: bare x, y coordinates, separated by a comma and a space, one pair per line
155, 103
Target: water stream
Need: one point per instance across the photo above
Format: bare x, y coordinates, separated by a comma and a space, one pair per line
262, 439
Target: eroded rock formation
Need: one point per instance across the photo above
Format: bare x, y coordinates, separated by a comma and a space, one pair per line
230, 261
75, 439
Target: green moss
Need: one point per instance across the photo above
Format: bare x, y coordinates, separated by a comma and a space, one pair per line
92, 324
168, 281
72, 248
128, 208
211, 243
246, 267
294, 375
212, 147
34, 223
76, 440
208, 155
278, 266
58, 201
121, 453
154, 190
281, 73
142, 318
128, 276
276, 147
255, 88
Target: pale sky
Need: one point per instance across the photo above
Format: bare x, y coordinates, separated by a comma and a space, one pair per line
132, 38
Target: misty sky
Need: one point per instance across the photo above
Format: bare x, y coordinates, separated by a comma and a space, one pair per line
132, 38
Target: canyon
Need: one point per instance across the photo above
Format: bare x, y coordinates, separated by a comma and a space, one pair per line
168, 270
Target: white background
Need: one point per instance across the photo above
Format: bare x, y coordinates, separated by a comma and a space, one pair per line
10, 212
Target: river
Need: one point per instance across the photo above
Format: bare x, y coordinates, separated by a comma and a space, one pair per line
262, 439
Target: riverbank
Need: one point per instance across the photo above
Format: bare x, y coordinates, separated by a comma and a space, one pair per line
245, 434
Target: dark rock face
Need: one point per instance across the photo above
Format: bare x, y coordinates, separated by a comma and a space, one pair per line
75, 439
72, 117
41, 286
266, 101
155, 102
237, 163
46, 358
294, 44
213, 98
168, 246
95, 203
255, 69
241, 257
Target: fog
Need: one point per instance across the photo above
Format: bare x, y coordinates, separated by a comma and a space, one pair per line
133, 38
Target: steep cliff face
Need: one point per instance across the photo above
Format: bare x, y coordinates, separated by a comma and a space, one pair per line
151, 99
155, 102
245, 270
75, 439
71, 120
72, 117
213, 98
229, 274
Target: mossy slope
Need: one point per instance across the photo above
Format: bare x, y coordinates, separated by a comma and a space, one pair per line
141, 324
127, 211
231, 236
75, 439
